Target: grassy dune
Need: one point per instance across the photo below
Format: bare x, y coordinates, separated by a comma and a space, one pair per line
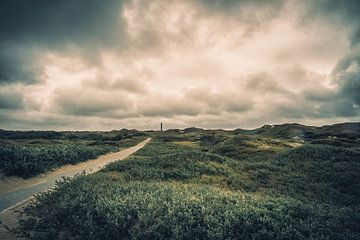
27, 154
189, 185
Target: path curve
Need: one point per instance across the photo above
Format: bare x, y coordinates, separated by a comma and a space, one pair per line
45, 181
12, 201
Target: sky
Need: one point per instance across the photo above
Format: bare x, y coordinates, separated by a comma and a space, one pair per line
102, 65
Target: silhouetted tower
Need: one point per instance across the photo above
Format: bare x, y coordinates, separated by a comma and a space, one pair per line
161, 127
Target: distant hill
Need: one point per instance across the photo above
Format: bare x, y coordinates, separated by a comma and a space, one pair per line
349, 131
86, 135
288, 130
341, 131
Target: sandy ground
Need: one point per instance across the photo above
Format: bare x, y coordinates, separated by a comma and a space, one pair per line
9, 216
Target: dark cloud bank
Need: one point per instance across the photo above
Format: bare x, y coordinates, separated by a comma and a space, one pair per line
30, 27
85, 28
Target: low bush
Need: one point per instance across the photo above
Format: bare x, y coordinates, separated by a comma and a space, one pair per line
237, 188
96, 207
182, 165
27, 160
327, 173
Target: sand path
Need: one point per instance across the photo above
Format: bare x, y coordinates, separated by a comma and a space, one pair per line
15, 193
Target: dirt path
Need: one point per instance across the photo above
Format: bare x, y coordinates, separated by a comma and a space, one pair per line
16, 192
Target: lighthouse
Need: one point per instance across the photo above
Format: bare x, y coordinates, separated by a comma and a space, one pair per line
161, 126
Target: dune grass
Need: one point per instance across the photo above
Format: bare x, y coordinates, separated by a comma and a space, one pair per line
169, 190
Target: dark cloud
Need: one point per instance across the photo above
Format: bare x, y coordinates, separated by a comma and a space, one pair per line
346, 11
318, 101
356, 37
209, 62
87, 102
17, 64
347, 75
351, 9
28, 27
319, 95
57, 20
35, 121
11, 99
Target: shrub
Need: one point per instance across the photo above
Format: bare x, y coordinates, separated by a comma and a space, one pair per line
27, 160
96, 207
181, 165
328, 173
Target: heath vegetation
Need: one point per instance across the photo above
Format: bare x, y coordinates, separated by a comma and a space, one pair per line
198, 184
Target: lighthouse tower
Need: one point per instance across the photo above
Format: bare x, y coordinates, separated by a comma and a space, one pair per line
161, 126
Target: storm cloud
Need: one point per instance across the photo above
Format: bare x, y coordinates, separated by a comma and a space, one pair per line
10, 99
30, 28
91, 64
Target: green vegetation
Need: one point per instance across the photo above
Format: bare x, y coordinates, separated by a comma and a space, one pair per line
163, 210
28, 155
177, 164
198, 184
323, 173
27, 161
